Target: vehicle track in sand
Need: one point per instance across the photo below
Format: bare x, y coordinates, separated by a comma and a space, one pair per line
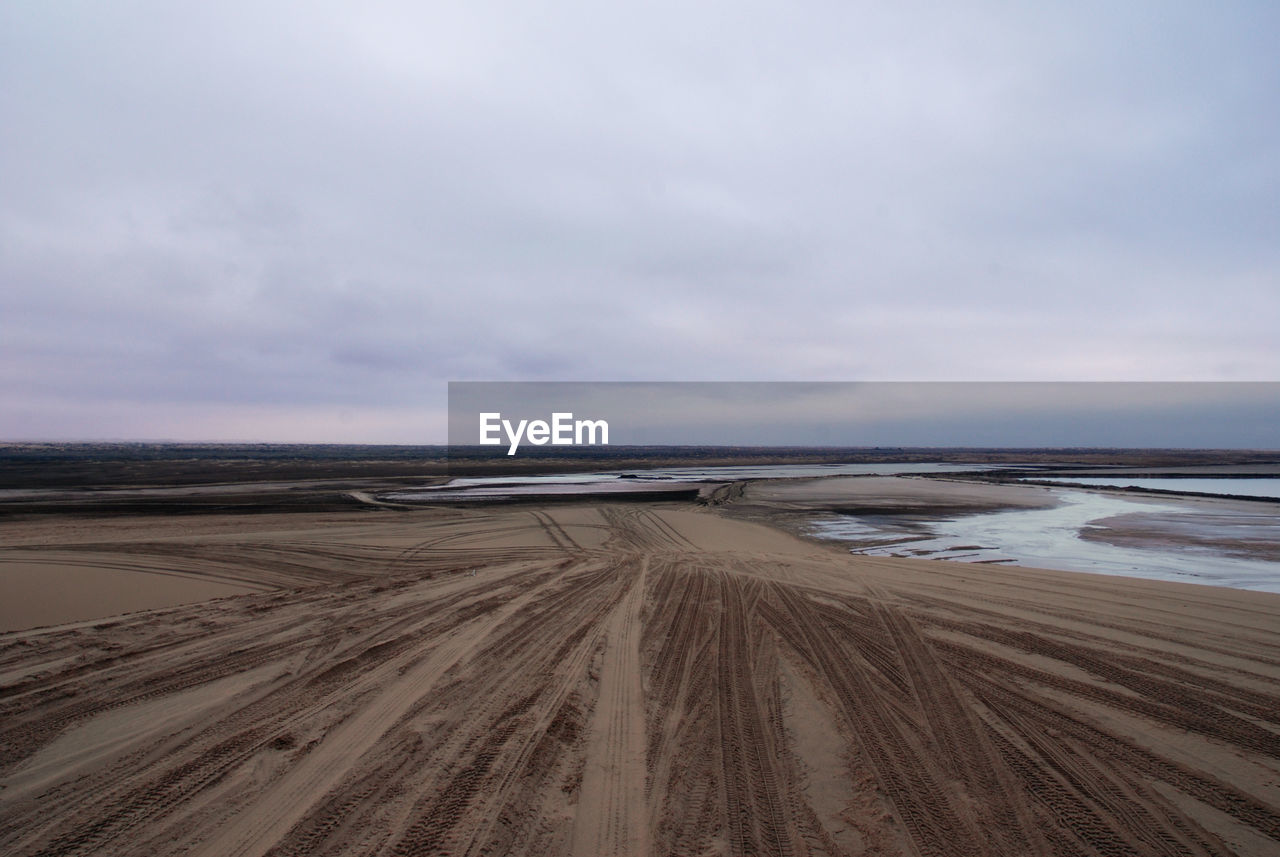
612, 815
615, 680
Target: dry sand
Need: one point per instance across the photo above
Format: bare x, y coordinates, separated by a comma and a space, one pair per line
625, 679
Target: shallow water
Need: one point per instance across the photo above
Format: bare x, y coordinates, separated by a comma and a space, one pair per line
490, 487
1050, 538
1240, 487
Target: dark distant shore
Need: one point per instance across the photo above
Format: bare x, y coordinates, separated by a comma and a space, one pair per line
102, 464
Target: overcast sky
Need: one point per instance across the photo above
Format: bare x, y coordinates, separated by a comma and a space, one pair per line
297, 222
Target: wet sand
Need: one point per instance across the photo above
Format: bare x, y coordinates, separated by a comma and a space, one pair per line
1254, 535
628, 679
886, 495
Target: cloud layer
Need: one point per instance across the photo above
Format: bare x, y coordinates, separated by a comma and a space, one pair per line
297, 221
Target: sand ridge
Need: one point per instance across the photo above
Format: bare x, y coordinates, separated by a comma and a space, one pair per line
637, 679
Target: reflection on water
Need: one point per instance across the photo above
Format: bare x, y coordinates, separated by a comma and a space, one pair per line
660, 479
1049, 538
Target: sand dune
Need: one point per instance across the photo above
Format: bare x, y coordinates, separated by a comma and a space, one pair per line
629, 680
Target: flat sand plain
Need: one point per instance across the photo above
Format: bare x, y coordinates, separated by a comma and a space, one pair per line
625, 679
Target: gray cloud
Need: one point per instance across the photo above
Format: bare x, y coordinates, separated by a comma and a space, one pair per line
280, 209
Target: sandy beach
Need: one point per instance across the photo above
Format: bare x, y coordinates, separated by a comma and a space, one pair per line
621, 679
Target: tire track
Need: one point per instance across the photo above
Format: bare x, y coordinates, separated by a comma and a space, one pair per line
903, 770
612, 813
627, 698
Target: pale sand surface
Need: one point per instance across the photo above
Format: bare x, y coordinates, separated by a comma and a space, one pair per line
46, 588
625, 679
